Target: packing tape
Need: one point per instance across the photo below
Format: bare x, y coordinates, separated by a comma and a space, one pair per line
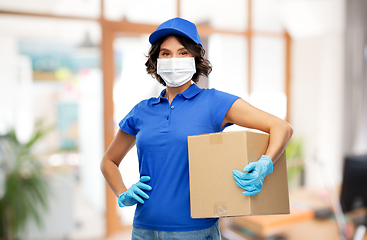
216, 139
220, 209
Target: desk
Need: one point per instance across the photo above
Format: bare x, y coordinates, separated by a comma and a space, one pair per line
305, 230
299, 225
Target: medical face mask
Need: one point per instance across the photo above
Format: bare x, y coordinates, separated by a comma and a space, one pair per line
176, 71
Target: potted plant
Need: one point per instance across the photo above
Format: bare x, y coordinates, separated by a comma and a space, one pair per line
25, 187
295, 162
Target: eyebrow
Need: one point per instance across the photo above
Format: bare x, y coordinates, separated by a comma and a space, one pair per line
165, 49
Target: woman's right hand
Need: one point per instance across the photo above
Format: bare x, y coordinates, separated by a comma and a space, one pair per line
135, 193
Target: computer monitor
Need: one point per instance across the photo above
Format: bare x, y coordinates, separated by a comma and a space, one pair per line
354, 185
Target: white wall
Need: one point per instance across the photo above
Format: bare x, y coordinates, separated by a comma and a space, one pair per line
317, 74
317, 102
8, 66
90, 120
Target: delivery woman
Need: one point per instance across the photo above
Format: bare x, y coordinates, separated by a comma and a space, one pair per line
159, 127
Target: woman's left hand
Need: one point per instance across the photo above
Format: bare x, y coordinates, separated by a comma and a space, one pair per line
252, 181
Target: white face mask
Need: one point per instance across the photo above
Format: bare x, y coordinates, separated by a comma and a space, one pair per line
176, 71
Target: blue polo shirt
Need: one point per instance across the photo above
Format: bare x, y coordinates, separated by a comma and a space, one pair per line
161, 131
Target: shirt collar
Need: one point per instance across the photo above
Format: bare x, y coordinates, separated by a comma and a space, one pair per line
191, 92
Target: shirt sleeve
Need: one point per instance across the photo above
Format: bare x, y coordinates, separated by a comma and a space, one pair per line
127, 124
219, 104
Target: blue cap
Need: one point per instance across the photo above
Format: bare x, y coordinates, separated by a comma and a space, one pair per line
177, 26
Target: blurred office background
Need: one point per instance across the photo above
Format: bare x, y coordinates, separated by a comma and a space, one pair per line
78, 67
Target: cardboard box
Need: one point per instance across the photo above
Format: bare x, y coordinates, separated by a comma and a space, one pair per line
213, 192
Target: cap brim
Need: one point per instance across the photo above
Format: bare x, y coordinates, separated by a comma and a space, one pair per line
164, 32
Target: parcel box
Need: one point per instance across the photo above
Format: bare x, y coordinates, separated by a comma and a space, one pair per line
213, 192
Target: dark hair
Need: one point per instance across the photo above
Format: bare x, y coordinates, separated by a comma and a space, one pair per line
203, 66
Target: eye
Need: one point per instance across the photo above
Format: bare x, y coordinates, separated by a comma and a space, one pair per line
184, 53
164, 54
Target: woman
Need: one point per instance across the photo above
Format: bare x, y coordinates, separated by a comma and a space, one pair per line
159, 127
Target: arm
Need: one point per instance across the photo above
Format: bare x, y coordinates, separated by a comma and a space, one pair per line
245, 115
120, 146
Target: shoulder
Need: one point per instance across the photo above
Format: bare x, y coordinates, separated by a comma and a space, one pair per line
215, 93
145, 103
209, 91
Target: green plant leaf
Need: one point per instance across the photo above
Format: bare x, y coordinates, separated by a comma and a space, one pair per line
27, 190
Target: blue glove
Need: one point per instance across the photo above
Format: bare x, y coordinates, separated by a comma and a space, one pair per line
252, 181
135, 193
